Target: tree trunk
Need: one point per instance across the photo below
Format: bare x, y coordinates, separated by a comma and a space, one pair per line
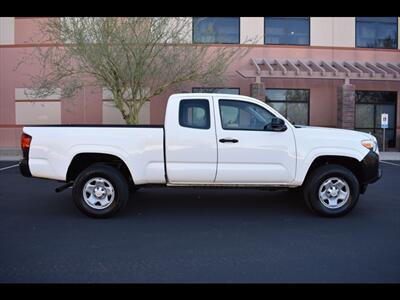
133, 115
132, 119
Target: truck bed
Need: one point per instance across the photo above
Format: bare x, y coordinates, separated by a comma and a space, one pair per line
53, 147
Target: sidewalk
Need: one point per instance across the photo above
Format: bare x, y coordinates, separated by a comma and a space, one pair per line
10, 154
389, 155
15, 154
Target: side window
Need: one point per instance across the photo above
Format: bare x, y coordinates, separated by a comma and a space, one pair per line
376, 32
241, 115
216, 30
194, 113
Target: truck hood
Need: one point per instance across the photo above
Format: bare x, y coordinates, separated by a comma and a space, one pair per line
335, 132
343, 141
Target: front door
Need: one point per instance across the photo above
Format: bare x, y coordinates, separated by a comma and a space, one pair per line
246, 152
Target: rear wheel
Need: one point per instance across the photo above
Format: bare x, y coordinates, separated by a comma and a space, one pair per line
100, 191
331, 191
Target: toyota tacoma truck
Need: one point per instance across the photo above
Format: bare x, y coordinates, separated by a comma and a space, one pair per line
208, 140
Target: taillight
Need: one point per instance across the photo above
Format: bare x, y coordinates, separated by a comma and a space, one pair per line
25, 143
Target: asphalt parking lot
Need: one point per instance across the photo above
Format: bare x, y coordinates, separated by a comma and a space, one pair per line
190, 235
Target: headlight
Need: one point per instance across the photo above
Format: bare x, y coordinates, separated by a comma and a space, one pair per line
371, 145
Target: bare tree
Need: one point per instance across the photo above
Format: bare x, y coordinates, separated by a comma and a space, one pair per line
136, 58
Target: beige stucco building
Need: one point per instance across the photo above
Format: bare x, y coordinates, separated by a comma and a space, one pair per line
319, 71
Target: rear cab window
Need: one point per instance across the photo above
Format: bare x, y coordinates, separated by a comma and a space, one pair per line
194, 113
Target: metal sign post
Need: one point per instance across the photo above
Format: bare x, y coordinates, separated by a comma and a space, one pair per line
384, 125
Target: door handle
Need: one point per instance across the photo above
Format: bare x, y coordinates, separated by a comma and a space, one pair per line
228, 140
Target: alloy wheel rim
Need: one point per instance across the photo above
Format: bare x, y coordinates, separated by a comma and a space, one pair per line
98, 193
334, 192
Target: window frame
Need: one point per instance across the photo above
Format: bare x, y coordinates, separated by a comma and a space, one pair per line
304, 45
216, 43
227, 88
291, 101
242, 101
194, 127
363, 47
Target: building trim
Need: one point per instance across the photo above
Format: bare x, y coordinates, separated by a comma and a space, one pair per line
22, 94
36, 101
38, 112
11, 126
7, 31
251, 30
323, 69
31, 17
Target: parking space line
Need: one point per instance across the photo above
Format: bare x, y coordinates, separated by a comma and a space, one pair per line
9, 167
390, 163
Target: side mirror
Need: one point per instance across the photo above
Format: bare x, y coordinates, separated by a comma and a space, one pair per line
276, 124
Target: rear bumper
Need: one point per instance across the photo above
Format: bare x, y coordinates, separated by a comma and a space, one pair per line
24, 168
371, 171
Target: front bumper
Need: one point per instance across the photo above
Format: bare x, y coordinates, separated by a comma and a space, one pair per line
370, 169
24, 168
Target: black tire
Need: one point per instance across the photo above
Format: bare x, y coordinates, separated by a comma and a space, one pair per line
318, 177
118, 182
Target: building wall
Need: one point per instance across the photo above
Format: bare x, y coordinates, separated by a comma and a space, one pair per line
331, 38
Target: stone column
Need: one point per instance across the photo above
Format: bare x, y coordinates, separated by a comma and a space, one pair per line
346, 98
257, 91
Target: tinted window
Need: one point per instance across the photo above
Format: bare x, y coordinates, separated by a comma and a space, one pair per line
374, 32
233, 91
287, 30
291, 103
194, 113
242, 115
216, 30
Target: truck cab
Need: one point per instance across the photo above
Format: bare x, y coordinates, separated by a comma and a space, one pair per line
215, 139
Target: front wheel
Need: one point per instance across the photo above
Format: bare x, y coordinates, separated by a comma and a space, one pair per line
100, 191
331, 191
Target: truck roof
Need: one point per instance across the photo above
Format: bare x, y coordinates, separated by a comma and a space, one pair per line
211, 95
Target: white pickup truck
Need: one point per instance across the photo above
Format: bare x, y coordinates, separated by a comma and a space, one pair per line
207, 140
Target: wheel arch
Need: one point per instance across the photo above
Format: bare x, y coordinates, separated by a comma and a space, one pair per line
83, 160
348, 162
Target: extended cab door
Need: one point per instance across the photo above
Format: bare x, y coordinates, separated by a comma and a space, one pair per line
190, 140
247, 153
